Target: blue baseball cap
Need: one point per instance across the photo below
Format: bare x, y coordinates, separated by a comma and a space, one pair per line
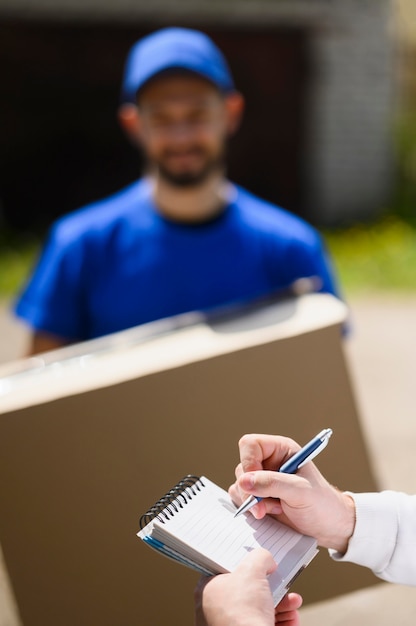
174, 49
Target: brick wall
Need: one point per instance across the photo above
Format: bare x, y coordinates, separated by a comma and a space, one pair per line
350, 158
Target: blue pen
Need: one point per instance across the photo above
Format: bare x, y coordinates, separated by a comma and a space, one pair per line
291, 466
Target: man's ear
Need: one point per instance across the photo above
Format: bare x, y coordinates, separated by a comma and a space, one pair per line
130, 121
234, 103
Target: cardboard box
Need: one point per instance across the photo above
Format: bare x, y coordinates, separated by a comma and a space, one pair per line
92, 435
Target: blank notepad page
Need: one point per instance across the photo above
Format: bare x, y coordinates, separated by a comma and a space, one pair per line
206, 526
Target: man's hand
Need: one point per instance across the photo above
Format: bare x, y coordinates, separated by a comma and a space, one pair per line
243, 597
305, 500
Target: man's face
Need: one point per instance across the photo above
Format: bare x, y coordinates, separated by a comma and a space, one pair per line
184, 127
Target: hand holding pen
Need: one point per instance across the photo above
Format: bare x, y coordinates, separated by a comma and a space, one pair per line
305, 501
295, 462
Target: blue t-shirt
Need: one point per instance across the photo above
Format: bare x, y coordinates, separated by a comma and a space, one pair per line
119, 263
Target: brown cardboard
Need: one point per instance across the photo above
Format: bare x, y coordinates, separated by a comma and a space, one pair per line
78, 468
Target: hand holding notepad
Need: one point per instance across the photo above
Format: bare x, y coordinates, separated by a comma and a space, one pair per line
194, 524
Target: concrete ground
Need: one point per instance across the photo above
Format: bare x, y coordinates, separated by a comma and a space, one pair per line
382, 358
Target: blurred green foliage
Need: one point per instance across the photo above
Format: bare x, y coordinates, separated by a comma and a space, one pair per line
382, 255
374, 257
404, 200
17, 255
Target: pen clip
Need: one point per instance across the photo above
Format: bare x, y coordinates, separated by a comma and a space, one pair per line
315, 452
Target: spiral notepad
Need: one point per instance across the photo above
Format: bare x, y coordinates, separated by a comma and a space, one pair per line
194, 524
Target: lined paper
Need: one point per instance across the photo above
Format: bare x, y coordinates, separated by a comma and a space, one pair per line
206, 531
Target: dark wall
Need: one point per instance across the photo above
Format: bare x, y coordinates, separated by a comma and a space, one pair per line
61, 146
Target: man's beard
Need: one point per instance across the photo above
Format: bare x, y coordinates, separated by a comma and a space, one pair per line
190, 179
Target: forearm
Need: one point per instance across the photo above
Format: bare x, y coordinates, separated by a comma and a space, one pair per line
384, 536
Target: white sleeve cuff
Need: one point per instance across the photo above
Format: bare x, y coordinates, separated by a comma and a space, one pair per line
375, 534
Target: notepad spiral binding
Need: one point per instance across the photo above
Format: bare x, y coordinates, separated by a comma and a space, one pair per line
173, 500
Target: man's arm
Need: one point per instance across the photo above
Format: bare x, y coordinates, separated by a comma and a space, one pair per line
51, 303
376, 530
384, 536
43, 342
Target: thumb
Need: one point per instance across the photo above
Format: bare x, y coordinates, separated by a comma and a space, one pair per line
258, 562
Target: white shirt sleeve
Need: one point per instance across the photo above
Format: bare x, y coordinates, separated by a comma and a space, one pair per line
384, 537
